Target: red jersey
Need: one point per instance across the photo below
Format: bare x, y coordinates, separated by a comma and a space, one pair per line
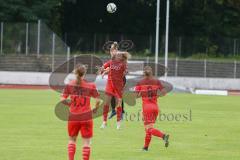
117, 70
148, 89
80, 95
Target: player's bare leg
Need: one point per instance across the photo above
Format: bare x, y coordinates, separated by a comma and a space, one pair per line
71, 147
86, 150
119, 112
106, 110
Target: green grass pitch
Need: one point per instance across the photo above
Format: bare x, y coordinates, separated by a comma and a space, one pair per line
29, 130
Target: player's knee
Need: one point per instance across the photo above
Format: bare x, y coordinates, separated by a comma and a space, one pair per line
119, 103
119, 109
86, 142
72, 140
149, 128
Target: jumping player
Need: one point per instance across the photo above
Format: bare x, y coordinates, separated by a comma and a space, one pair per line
148, 88
113, 52
80, 92
115, 84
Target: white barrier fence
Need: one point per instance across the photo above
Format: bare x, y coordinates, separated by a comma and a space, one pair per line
205, 83
36, 78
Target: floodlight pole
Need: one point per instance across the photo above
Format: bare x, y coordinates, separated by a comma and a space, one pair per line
39, 38
53, 50
167, 36
1, 50
157, 36
27, 32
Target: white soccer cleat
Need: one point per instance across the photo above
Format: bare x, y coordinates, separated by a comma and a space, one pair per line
104, 125
118, 125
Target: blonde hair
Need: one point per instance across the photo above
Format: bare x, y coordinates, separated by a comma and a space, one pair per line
114, 45
80, 71
148, 71
126, 56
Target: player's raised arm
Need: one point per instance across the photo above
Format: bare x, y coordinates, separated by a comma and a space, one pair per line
106, 65
105, 71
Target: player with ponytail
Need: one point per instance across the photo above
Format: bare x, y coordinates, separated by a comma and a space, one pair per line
148, 88
80, 92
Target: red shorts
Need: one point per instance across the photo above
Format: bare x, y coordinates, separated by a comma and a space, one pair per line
150, 113
115, 90
86, 128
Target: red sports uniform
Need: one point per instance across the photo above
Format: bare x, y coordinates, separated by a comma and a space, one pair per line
148, 89
116, 75
80, 107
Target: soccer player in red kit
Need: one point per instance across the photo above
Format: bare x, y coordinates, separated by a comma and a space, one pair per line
80, 92
148, 88
113, 51
115, 84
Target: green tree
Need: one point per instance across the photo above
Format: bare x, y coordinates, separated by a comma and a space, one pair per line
31, 10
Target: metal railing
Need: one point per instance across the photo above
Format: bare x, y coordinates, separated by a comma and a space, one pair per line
30, 38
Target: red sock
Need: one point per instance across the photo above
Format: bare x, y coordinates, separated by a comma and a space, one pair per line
148, 138
156, 132
105, 112
86, 153
119, 113
71, 151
